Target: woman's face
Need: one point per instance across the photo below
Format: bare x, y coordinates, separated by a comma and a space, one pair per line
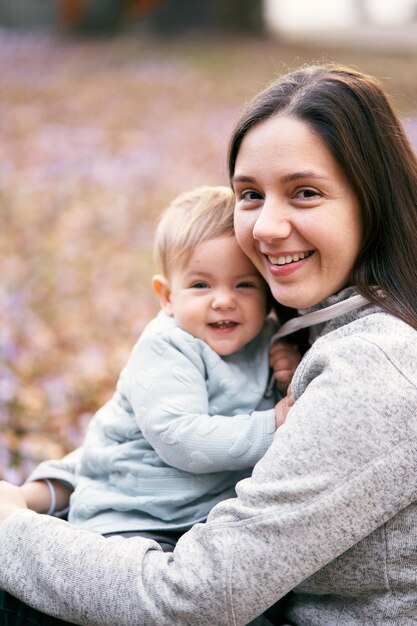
296, 216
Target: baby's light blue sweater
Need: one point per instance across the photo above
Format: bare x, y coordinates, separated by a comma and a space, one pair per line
178, 434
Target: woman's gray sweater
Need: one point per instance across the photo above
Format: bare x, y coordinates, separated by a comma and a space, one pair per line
330, 511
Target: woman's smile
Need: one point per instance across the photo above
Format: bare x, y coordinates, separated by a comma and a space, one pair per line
286, 258
286, 264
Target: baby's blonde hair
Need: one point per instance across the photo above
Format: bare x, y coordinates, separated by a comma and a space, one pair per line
192, 218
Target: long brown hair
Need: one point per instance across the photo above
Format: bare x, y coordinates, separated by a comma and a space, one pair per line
354, 118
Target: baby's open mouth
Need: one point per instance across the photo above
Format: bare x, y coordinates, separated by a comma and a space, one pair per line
223, 324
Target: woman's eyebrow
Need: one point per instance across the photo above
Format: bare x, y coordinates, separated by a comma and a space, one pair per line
242, 179
286, 178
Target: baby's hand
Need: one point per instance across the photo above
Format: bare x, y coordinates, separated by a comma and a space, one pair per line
11, 499
284, 359
282, 407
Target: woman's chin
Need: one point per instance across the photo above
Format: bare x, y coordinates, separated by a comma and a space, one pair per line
295, 299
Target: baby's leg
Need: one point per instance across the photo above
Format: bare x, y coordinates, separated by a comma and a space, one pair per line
167, 539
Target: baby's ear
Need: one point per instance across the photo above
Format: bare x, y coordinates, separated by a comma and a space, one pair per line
160, 285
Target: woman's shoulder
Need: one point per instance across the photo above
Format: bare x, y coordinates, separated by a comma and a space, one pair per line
374, 325
380, 329
371, 346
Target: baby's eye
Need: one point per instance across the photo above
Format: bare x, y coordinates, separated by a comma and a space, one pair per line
199, 285
246, 285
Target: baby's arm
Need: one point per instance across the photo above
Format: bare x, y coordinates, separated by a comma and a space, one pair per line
171, 406
38, 496
284, 359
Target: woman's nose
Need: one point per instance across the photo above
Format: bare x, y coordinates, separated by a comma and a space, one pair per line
272, 223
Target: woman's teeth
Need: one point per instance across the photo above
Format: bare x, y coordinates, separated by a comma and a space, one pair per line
288, 258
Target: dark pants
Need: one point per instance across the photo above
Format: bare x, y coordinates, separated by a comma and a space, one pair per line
14, 613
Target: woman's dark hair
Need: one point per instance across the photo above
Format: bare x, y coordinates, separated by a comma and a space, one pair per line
352, 115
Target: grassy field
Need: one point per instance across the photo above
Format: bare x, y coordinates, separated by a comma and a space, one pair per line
96, 138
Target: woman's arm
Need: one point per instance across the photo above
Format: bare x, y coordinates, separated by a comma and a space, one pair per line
344, 464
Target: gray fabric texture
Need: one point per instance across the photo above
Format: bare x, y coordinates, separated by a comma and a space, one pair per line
330, 511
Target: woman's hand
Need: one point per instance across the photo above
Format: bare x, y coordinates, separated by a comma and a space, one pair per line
11, 500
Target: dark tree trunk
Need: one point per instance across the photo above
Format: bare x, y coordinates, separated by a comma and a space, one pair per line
101, 17
171, 17
181, 16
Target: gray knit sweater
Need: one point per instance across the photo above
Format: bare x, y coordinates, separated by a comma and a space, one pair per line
329, 512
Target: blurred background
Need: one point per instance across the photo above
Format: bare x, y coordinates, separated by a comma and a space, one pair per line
109, 108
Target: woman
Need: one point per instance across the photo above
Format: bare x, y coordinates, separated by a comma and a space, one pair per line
326, 203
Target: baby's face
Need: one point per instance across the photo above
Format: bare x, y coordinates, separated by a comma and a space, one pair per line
219, 296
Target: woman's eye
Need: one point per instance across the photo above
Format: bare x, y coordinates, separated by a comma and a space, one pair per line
249, 195
307, 194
